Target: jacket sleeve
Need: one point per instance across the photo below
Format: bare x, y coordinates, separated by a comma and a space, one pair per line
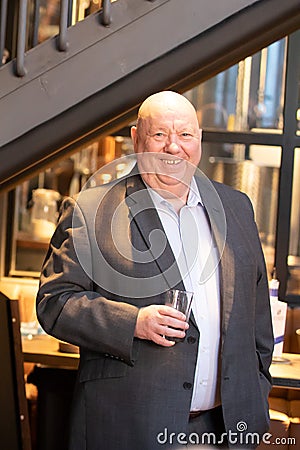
68, 307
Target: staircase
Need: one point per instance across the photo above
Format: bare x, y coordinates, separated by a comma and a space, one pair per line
91, 78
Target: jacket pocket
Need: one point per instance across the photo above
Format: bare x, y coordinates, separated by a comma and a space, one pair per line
100, 368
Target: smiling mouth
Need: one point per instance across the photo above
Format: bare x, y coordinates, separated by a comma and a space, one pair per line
171, 162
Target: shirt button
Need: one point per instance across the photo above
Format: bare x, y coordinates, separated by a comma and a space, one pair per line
191, 340
187, 385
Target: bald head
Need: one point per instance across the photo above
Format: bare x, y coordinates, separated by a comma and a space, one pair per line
164, 102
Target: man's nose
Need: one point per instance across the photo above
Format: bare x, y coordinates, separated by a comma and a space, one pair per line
172, 143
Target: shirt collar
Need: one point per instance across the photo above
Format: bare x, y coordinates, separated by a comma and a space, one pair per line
194, 197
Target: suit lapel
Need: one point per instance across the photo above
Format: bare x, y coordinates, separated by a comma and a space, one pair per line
144, 214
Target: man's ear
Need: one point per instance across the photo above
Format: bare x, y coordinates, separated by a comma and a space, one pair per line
133, 133
134, 137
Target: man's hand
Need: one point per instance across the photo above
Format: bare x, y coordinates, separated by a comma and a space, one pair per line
153, 323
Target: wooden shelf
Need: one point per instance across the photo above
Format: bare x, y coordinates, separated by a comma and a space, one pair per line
28, 241
44, 349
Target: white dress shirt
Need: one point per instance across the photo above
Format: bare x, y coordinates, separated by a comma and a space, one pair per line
190, 238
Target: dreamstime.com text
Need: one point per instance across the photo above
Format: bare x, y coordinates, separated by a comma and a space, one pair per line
238, 437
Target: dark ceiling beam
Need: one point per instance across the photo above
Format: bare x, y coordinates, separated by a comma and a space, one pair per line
185, 65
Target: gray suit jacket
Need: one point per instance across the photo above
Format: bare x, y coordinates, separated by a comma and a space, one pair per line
108, 258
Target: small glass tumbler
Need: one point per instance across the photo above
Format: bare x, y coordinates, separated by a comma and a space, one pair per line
182, 301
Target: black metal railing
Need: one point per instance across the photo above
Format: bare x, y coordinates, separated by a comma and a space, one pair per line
62, 43
3, 20
21, 39
65, 21
106, 15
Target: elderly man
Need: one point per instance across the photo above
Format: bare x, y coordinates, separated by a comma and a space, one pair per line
117, 250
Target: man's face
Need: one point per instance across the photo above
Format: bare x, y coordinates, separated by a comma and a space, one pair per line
168, 145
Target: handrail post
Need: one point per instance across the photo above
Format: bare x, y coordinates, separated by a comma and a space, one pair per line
62, 43
3, 19
21, 38
106, 13
70, 10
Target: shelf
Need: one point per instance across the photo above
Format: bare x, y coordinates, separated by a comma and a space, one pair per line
28, 241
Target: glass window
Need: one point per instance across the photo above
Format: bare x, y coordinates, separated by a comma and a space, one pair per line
294, 252
267, 87
247, 96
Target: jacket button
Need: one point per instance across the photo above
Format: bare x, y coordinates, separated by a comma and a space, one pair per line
187, 385
191, 340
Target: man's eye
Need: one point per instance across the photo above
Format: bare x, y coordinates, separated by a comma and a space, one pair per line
186, 135
159, 136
